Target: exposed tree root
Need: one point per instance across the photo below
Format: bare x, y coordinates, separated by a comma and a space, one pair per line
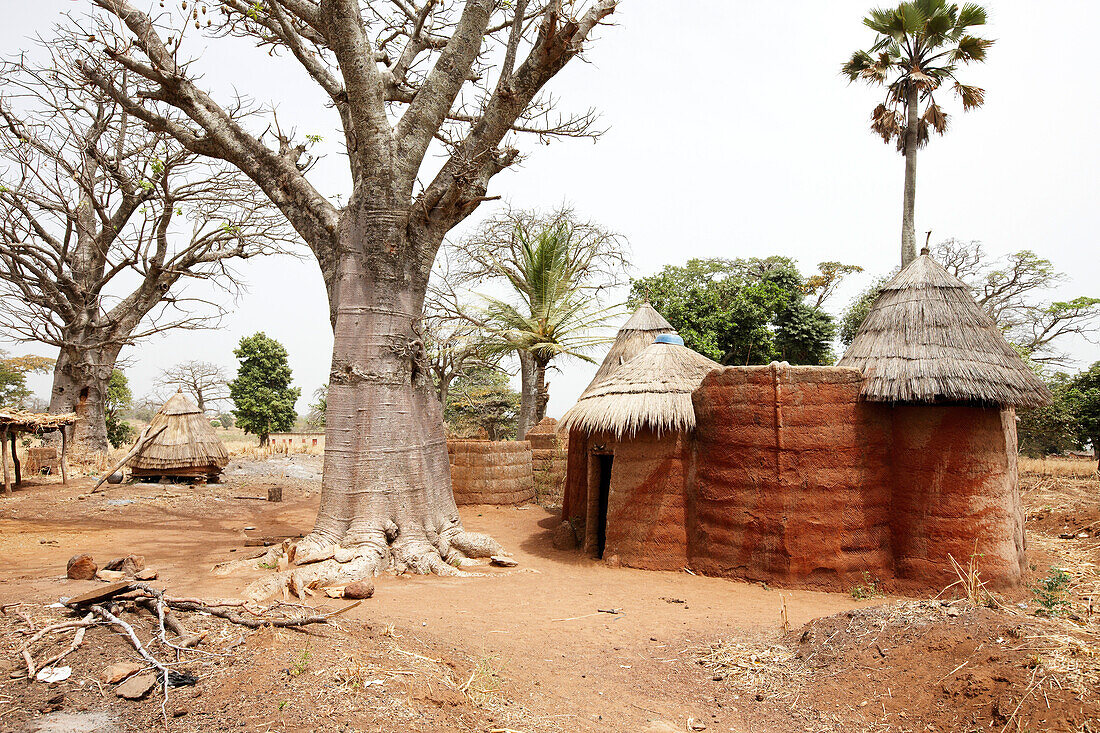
316, 561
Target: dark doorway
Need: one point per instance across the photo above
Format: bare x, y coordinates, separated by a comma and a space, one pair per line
605, 491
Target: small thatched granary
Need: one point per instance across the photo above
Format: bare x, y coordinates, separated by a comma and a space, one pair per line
182, 444
633, 427
13, 422
635, 335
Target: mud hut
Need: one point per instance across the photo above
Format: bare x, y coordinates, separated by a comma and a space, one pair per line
633, 429
183, 444
635, 335
952, 384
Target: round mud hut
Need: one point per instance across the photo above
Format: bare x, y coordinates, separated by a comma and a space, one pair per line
182, 444
636, 334
952, 384
633, 429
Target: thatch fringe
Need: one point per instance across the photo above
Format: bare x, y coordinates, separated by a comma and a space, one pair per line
651, 391
188, 441
635, 335
34, 421
927, 340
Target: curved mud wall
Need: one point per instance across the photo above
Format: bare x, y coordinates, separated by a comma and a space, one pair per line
646, 518
491, 472
791, 477
956, 492
548, 459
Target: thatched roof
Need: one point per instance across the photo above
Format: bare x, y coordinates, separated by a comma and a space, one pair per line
636, 334
927, 340
188, 441
32, 422
652, 390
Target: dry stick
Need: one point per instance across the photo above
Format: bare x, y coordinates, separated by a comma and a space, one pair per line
136, 643
34, 639
77, 640
144, 438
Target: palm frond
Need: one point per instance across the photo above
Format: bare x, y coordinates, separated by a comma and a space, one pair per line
971, 96
971, 14
970, 48
936, 117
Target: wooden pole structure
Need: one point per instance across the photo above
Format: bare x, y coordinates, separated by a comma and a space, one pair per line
4, 459
64, 463
15, 460
144, 438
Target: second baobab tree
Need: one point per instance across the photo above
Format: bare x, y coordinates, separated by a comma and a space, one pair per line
405, 78
919, 47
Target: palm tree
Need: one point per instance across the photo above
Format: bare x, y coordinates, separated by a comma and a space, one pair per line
918, 49
554, 317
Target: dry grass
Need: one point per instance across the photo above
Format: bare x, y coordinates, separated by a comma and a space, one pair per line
1060, 467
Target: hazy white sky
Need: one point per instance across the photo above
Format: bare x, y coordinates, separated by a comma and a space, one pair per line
732, 134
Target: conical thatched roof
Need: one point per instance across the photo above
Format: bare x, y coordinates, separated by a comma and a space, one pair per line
652, 390
636, 334
927, 340
188, 441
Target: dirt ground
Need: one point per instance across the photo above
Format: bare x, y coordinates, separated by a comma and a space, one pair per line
560, 643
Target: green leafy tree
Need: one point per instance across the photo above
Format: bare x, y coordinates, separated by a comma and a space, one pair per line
743, 311
917, 50
1087, 388
1055, 428
14, 393
117, 401
261, 393
481, 399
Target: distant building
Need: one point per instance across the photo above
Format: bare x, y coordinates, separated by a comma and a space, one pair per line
293, 441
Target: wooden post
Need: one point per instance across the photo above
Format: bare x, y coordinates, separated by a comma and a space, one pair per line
15, 460
4, 459
64, 449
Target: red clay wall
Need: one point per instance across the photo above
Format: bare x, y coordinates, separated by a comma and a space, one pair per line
646, 522
491, 472
574, 501
956, 493
791, 477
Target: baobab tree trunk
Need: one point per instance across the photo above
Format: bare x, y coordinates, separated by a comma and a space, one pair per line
80, 379
386, 498
908, 228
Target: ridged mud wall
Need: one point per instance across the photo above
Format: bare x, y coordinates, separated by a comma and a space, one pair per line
491, 471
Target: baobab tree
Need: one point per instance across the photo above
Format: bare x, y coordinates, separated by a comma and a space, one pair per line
405, 77
918, 49
102, 224
207, 383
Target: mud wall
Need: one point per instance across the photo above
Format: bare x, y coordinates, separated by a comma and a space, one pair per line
491, 472
548, 459
574, 501
792, 479
646, 518
956, 492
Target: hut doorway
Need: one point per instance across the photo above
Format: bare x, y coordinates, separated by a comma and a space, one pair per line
604, 484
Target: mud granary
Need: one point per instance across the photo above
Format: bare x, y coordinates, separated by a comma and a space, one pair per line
891, 463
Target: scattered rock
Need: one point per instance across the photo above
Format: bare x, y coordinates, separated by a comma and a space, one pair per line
502, 561
126, 565
81, 567
136, 687
115, 478
119, 671
613, 561
359, 589
110, 576
179, 712
694, 724
53, 674
564, 537
146, 574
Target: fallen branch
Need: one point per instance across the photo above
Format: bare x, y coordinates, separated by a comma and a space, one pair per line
25, 649
144, 438
136, 643
78, 639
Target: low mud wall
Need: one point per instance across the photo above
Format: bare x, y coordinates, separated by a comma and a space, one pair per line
548, 460
791, 477
491, 472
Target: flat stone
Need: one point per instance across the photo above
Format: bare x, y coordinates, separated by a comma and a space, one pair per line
119, 671
110, 575
359, 589
128, 565
136, 687
81, 567
146, 574
98, 594
502, 561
